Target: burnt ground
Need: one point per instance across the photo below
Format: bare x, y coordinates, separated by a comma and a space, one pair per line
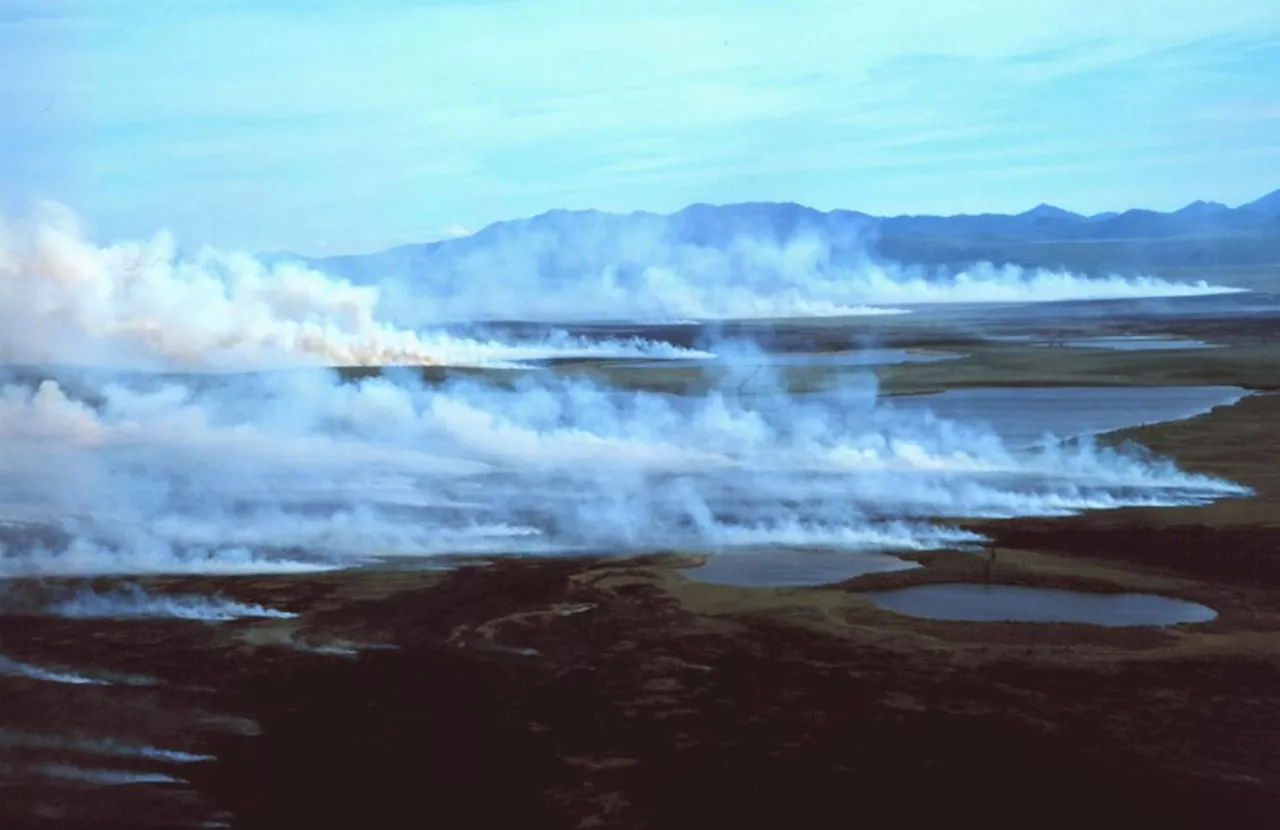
580, 693
641, 713
588, 694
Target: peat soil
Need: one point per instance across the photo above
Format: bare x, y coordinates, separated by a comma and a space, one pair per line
600, 693
637, 712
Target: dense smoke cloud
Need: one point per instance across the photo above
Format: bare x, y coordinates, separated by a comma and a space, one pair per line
313, 473
105, 473
566, 266
143, 304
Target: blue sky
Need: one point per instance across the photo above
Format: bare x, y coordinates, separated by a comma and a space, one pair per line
327, 126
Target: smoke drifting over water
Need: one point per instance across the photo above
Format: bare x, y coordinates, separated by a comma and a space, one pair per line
299, 471
313, 473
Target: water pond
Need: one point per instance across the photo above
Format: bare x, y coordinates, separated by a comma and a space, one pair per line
1014, 603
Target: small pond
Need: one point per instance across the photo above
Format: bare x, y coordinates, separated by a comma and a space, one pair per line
1133, 343
791, 568
859, 357
1013, 603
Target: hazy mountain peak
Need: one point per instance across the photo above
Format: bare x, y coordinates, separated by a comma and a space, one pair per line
1202, 208
1268, 205
1047, 211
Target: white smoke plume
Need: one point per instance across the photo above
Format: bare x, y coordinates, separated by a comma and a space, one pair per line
544, 271
143, 304
107, 473
130, 602
15, 668
302, 471
106, 777
98, 746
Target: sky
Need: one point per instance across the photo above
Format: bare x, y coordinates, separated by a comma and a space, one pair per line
326, 126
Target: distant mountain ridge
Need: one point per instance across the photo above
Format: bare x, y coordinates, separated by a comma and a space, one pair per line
1047, 222
1201, 233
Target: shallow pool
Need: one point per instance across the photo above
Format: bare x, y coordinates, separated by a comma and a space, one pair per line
1014, 603
792, 568
1133, 343
853, 357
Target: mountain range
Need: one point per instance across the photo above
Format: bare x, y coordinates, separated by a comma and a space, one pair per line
1201, 234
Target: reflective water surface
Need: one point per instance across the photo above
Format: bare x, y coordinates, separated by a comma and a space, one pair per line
1014, 603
